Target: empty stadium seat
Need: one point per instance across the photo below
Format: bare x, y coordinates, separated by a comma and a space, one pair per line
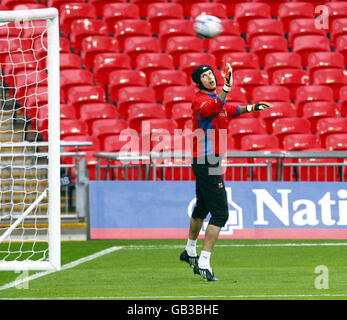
106, 62
134, 46
113, 143
343, 101
333, 78
291, 78
244, 12
189, 61
105, 127
312, 93
341, 47
274, 5
284, 126
79, 95
187, 5
313, 111
124, 78
156, 128
236, 96
263, 45
113, 12
305, 26
239, 127
175, 94
339, 28
19, 62
304, 45
289, 11
131, 28
241, 60
181, 112
257, 142
261, 27
301, 141
139, 112
152, 61
216, 9
280, 110
271, 93
99, 5
130, 95
59, 3
327, 126
93, 111
159, 11
230, 27
37, 98
323, 60
73, 127
336, 142
93, 45
162, 79
82, 28
10, 4
72, 11
222, 45
69, 61
337, 10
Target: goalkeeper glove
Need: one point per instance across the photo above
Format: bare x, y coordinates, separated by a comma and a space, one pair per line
259, 106
228, 78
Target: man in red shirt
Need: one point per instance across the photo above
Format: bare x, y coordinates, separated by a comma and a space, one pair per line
211, 117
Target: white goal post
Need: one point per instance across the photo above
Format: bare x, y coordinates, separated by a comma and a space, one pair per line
29, 235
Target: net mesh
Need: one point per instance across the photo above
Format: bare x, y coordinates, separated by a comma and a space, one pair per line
23, 132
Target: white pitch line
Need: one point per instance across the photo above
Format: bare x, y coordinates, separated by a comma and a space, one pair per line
64, 267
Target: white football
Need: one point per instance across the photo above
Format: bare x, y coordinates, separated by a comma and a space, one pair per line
207, 26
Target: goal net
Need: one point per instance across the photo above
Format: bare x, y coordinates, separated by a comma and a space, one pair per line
29, 140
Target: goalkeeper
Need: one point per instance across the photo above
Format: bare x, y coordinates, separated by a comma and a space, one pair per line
211, 117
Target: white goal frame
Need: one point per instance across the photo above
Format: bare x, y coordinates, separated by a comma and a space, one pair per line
53, 190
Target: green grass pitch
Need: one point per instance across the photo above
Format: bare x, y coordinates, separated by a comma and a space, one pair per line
150, 269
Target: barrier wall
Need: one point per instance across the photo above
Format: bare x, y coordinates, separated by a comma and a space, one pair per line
257, 210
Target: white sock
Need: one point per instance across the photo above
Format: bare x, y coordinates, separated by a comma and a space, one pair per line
204, 260
191, 248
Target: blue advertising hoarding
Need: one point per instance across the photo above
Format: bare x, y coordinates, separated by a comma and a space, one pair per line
257, 210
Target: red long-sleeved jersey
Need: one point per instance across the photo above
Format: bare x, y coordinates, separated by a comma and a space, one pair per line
210, 124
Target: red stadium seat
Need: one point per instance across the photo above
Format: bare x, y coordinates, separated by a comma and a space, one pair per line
312, 93
104, 127
79, 95
73, 77
284, 126
301, 141
189, 61
156, 128
323, 60
187, 5
216, 9
106, 62
303, 27
139, 112
339, 28
178, 45
230, 27
327, 126
73, 127
257, 142
336, 142
175, 94
271, 93
59, 3
263, 45
37, 99
130, 95
99, 5
95, 146
240, 127
70, 61
124, 78
291, 78
343, 101
73, 11
222, 45
181, 113
261, 27
249, 79
281, 60
113, 143
131, 28
304, 45
236, 96
19, 62
113, 12
333, 78
341, 46
274, 5
337, 10
159, 11
244, 12
10, 4
280, 110
162, 79
241, 60
94, 111
134, 46
313, 111
93, 45
152, 61
290, 11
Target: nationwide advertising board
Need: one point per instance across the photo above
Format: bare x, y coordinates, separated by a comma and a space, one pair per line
257, 210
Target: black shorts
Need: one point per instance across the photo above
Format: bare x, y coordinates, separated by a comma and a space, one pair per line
210, 192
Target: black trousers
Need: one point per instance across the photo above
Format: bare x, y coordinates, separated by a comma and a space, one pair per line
210, 190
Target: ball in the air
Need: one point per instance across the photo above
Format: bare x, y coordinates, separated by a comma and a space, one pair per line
207, 26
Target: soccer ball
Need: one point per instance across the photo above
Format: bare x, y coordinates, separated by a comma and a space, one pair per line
207, 26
